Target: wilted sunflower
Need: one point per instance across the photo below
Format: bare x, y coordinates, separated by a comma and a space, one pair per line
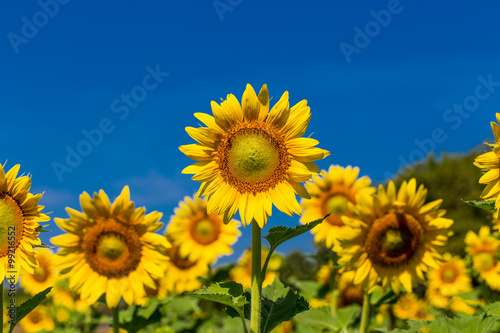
111, 248
451, 277
491, 161
198, 234
44, 275
19, 217
242, 272
330, 193
483, 249
393, 237
181, 274
250, 157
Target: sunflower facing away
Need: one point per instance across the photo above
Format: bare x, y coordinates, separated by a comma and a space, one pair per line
393, 237
490, 162
111, 248
330, 193
19, 217
44, 275
249, 157
483, 249
200, 235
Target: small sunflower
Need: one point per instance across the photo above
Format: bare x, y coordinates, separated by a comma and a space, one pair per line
37, 320
19, 216
324, 273
330, 193
490, 162
44, 275
242, 272
483, 249
111, 248
250, 157
348, 292
181, 274
199, 234
451, 277
454, 303
393, 237
406, 307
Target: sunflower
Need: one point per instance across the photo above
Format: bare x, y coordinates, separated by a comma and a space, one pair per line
19, 216
393, 237
330, 193
111, 248
490, 162
181, 274
324, 273
44, 275
199, 234
243, 271
406, 307
451, 303
37, 320
483, 249
451, 277
250, 157
348, 292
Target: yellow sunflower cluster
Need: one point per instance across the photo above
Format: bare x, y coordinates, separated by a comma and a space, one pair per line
409, 306
483, 249
242, 272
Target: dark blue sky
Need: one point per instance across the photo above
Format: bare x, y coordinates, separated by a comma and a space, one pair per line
387, 82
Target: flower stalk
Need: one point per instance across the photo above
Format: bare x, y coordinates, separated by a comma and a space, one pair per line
256, 278
116, 320
365, 314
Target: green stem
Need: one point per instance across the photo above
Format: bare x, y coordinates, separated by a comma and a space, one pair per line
365, 315
333, 283
1, 305
245, 327
116, 320
256, 278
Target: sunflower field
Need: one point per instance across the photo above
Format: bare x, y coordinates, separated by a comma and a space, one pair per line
419, 253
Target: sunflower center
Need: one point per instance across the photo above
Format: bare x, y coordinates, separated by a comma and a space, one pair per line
35, 316
449, 274
178, 261
205, 231
393, 239
253, 157
112, 249
484, 261
351, 295
112, 246
11, 226
337, 204
41, 274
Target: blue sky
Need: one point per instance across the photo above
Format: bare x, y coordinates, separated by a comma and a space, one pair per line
387, 82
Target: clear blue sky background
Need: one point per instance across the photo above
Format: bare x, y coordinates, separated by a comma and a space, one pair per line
61, 74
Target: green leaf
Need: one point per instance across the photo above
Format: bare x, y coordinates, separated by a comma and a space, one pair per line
228, 293
493, 309
40, 228
280, 234
279, 304
135, 318
322, 320
307, 288
472, 324
378, 297
24, 309
488, 205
